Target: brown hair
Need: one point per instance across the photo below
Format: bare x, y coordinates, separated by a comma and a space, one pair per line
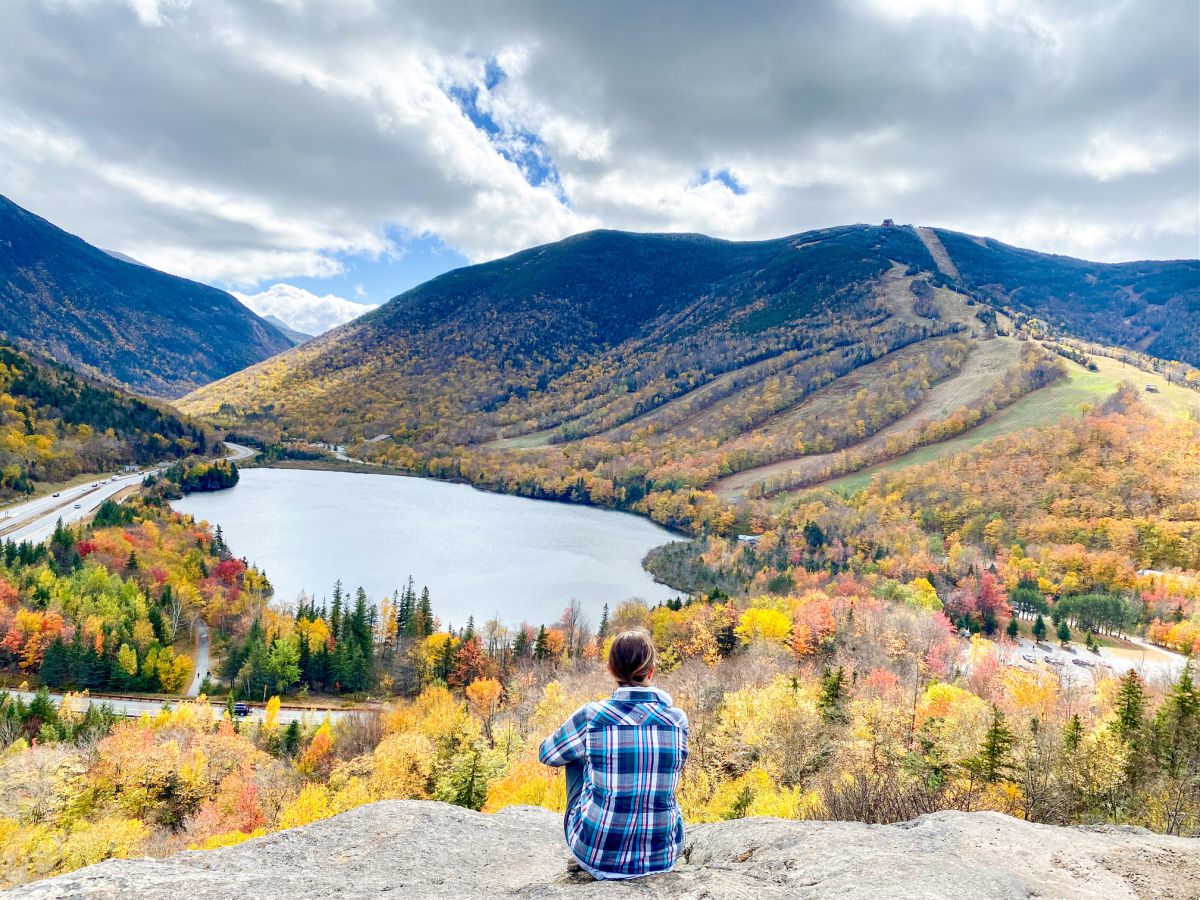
631, 657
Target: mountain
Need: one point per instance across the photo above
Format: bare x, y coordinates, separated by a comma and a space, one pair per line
153, 332
613, 367
519, 851
1152, 306
59, 424
296, 337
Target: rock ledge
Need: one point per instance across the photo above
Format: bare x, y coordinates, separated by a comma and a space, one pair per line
431, 850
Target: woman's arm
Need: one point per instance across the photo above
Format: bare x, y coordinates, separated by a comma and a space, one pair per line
569, 743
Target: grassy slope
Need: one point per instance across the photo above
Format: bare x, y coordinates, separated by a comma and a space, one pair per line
1066, 398
987, 363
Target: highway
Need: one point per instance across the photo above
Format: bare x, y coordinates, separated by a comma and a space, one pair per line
35, 520
133, 707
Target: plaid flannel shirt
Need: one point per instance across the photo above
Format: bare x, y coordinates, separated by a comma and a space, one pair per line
627, 822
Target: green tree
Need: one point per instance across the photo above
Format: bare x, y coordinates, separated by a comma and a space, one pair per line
541, 646
994, 762
1039, 628
1013, 629
1063, 633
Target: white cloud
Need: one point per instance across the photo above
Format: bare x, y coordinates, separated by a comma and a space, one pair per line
304, 310
1110, 156
317, 129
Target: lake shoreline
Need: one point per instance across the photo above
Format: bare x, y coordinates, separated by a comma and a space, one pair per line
362, 468
486, 553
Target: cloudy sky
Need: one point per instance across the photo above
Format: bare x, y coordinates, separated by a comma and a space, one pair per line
315, 157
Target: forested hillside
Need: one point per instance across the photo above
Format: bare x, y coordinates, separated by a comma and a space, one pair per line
55, 424
825, 667
669, 374
155, 333
1152, 306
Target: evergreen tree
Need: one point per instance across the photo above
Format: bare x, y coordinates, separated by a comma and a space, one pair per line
1064, 632
291, 738
445, 662
725, 634
426, 613
994, 763
830, 701
335, 617
1013, 628
1039, 628
469, 631
541, 646
602, 633
403, 612
520, 647
56, 665
1073, 733
1177, 747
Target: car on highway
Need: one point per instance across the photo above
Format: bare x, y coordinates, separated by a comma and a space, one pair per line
79, 506
57, 494
241, 709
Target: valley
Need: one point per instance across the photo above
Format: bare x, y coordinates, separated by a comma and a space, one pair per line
902, 545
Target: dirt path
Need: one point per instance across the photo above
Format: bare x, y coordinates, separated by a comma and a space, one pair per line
988, 362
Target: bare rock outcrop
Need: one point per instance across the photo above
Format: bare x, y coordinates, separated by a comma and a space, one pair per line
430, 850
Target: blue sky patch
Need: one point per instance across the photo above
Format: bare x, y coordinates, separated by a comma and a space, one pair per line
370, 280
524, 149
725, 177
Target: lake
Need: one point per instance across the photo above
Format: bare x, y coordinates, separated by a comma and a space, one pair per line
481, 554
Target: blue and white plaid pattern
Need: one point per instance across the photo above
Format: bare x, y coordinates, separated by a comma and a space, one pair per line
627, 822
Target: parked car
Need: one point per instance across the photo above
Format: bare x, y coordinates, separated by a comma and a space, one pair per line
1028, 657
241, 709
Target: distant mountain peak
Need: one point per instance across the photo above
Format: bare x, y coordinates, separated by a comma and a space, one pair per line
107, 314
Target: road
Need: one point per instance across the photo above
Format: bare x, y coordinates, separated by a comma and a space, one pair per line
35, 520
201, 659
133, 707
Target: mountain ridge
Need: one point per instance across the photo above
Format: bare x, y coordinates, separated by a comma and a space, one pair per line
144, 329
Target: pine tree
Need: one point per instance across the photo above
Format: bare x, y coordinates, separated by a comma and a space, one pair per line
830, 701
1013, 628
403, 612
1064, 633
291, 738
1177, 744
602, 633
520, 647
541, 646
1130, 707
469, 631
994, 760
1073, 733
426, 613
56, 665
1039, 628
335, 617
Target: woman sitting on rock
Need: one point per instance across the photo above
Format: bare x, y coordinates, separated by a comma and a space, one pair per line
622, 757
